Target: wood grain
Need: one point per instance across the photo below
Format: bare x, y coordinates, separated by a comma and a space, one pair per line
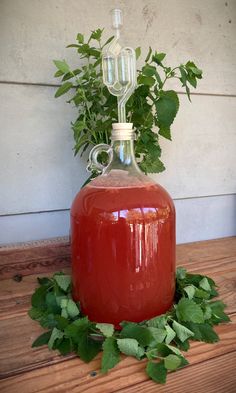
28, 370
46, 256
213, 376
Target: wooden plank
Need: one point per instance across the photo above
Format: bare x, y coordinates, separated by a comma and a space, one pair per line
208, 255
15, 300
34, 257
18, 333
213, 376
24, 358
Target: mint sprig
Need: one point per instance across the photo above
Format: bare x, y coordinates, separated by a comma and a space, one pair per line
160, 340
152, 108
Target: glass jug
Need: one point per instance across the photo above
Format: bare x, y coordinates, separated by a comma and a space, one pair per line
122, 239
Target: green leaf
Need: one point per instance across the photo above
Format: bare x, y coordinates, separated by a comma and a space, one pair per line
170, 334
61, 322
108, 41
181, 273
111, 354
183, 74
36, 314
73, 46
62, 66
172, 362
158, 322
87, 348
53, 320
148, 165
218, 314
158, 57
158, 334
188, 92
207, 312
80, 325
64, 313
80, 38
183, 346
182, 332
195, 279
56, 334
167, 107
138, 52
192, 68
201, 294
165, 132
64, 347
44, 281
96, 35
42, 340
63, 281
159, 81
72, 309
163, 349
146, 80
140, 333
140, 353
157, 371
173, 349
148, 55
204, 284
106, 328
188, 310
63, 89
192, 80
51, 302
128, 346
203, 332
79, 332
148, 70
190, 290
38, 299
64, 302
58, 73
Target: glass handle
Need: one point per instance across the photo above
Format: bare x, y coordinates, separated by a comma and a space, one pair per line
94, 164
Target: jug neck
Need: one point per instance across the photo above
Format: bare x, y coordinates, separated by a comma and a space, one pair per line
123, 148
123, 152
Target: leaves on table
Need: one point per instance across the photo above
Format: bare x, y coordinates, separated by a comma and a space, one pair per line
111, 354
157, 371
160, 339
189, 310
106, 328
128, 346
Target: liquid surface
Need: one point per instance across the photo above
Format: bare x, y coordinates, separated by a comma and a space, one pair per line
123, 251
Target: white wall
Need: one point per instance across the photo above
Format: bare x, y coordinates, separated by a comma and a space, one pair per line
39, 175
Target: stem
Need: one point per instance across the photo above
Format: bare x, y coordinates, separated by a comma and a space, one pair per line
155, 356
168, 75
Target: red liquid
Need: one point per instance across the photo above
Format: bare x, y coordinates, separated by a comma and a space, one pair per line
123, 252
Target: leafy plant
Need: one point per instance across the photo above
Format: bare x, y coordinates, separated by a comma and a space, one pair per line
160, 340
151, 108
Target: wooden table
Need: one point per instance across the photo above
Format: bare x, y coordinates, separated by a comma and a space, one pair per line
27, 370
